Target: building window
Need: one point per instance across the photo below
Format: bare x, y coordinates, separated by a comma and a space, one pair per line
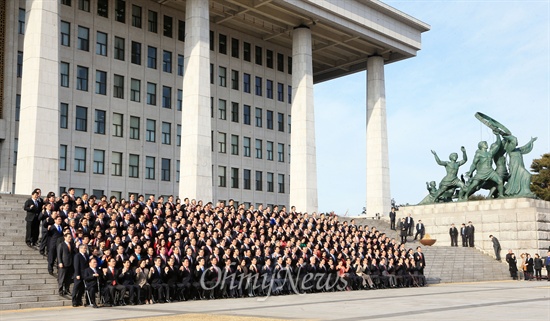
259, 148
177, 171
270, 182
118, 86
21, 21
133, 166
166, 97
62, 157
221, 143
167, 26
135, 90
17, 107
234, 79
281, 152
81, 118
64, 73
120, 11
165, 169
289, 91
180, 65
103, 8
280, 92
178, 135
234, 48
234, 145
119, 48
281, 122
167, 61
259, 181
258, 56
281, 181
181, 30
234, 112
82, 78
99, 122
246, 83
134, 127
136, 53
19, 64
222, 44
118, 120
234, 177
149, 167
221, 176
136, 16
269, 58
83, 38
269, 89
269, 150
65, 29
288, 122
247, 51
84, 5
259, 86
269, 117
80, 159
222, 109
211, 40
246, 179
151, 57
280, 62
151, 130
179, 102
116, 162
152, 21
246, 146
222, 76
258, 117
99, 161
151, 94
246, 115
101, 44
166, 133
63, 115
212, 73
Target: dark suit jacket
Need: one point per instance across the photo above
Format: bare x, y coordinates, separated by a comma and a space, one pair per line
419, 259
64, 255
420, 228
32, 210
453, 231
90, 279
127, 278
109, 277
80, 264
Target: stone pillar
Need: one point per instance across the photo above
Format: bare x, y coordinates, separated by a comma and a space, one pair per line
195, 151
38, 154
378, 167
303, 166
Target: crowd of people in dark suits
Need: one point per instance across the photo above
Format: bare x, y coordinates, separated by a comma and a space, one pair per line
144, 251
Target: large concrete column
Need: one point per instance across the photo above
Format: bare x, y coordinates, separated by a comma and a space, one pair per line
378, 167
38, 154
303, 166
195, 151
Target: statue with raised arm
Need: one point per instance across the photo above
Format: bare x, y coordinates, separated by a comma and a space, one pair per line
451, 181
482, 166
432, 191
520, 179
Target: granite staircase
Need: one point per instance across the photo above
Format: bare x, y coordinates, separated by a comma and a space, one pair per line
24, 279
446, 264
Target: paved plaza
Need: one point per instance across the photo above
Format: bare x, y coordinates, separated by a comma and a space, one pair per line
505, 300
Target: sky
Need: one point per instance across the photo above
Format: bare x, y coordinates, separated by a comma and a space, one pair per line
479, 56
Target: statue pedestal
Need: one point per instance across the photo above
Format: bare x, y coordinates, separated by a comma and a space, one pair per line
520, 224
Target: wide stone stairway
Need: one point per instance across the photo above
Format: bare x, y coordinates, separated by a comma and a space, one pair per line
446, 264
24, 279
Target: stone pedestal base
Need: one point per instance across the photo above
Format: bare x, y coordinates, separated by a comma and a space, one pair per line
520, 224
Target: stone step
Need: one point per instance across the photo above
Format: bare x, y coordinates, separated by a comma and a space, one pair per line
47, 279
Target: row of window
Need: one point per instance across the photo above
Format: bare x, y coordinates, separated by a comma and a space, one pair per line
247, 179
246, 143
98, 167
247, 115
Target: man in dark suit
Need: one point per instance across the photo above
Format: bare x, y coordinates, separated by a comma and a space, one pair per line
55, 237
33, 207
409, 223
419, 258
392, 218
512, 264
93, 277
127, 278
496, 247
42, 217
156, 277
453, 232
464, 235
470, 232
403, 230
80, 263
65, 258
420, 229
111, 283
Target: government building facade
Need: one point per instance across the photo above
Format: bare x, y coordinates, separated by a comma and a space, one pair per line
206, 99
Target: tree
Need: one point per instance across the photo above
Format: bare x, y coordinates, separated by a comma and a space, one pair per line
540, 181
